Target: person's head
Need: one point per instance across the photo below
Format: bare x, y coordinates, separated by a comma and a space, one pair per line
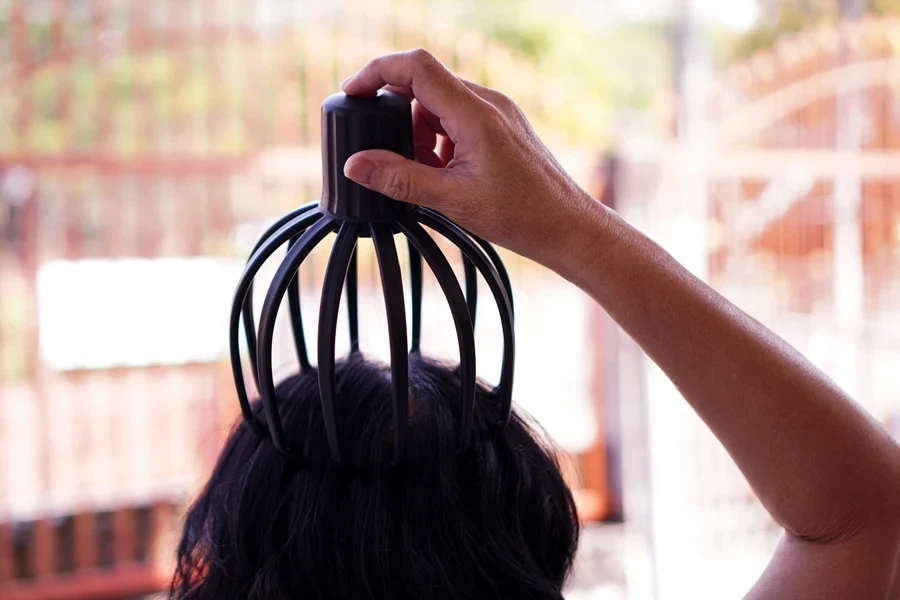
495, 520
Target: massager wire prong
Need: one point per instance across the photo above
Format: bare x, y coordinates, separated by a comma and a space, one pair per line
242, 305
283, 276
351, 287
247, 309
440, 224
335, 274
460, 312
392, 287
497, 262
415, 283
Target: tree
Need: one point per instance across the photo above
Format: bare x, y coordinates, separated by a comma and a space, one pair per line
781, 17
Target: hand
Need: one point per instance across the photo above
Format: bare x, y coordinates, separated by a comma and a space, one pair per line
488, 171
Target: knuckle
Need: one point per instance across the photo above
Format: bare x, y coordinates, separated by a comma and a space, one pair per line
510, 108
373, 63
490, 118
505, 102
423, 59
398, 185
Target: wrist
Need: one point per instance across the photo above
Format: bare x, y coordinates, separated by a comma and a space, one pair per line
587, 234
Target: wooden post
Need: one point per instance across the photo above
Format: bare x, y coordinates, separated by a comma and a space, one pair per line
125, 535
85, 541
43, 549
6, 553
162, 517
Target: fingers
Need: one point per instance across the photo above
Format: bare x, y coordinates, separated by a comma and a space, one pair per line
400, 178
428, 118
445, 151
498, 99
430, 158
400, 89
424, 130
429, 81
485, 92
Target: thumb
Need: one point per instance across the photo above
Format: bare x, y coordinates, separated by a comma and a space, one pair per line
398, 177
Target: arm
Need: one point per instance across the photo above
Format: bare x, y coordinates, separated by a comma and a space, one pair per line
822, 467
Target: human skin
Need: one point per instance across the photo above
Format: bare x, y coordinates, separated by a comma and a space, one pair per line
823, 468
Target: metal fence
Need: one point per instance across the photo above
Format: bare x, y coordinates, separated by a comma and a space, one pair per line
788, 203
142, 146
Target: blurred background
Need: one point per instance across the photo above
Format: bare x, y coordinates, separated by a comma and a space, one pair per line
145, 145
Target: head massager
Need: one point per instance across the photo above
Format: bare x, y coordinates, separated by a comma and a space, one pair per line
351, 124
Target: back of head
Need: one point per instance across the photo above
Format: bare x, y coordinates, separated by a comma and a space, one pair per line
495, 520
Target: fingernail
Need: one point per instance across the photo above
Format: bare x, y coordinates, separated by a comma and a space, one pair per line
344, 82
359, 170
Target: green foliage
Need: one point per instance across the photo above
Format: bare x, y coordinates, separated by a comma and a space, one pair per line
527, 35
585, 75
598, 71
135, 89
885, 7
84, 78
784, 17
16, 344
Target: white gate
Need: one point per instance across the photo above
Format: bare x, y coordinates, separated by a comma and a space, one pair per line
790, 206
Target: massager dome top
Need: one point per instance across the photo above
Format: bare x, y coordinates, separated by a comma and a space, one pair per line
351, 124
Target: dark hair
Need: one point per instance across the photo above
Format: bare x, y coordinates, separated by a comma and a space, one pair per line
495, 520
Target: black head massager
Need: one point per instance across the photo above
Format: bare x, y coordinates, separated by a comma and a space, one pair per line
351, 124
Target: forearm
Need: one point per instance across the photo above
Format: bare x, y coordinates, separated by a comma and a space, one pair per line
820, 464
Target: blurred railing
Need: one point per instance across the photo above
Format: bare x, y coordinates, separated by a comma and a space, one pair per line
90, 555
789, 204
134, 133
